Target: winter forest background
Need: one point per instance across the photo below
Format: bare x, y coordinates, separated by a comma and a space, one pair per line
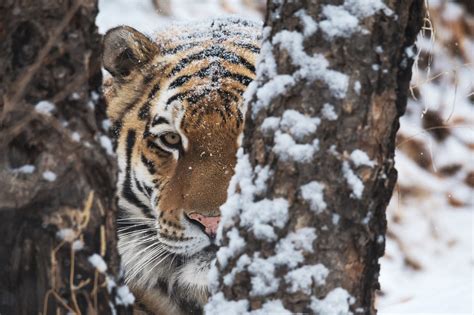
428, 263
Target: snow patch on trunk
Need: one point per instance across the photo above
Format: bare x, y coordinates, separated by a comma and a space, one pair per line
312, 192
352, 180
336, 302
302, 279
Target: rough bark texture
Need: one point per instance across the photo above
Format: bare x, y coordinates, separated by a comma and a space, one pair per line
49, 50
366, 120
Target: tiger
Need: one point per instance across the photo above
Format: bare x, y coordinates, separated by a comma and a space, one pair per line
176, 107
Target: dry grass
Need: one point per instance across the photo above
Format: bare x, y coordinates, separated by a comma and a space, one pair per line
78, 220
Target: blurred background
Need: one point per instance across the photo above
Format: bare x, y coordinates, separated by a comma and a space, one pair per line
428, 263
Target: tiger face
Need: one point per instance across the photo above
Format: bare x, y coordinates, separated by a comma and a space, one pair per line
177, 112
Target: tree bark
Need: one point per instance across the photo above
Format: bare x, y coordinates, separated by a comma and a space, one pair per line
320, 134
57, 204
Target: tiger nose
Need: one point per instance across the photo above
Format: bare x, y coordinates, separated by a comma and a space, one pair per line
210, 224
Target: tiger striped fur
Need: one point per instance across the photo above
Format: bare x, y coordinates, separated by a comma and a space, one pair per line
177, 112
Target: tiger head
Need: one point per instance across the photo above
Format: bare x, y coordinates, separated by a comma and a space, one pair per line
177, 113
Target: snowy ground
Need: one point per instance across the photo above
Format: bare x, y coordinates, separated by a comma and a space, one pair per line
142, 14
428, 265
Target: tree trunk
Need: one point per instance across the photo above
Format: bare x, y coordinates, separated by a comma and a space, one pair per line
304, 225
57, 206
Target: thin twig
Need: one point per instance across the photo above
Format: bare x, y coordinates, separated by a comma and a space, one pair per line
94, 289
78, 81
58, 298
103, 241
72, 288
86, 212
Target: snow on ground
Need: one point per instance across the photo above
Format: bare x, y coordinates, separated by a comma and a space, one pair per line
428, 266
144, 16
434, 242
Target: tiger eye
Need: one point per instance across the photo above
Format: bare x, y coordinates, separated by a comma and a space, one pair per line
171, 138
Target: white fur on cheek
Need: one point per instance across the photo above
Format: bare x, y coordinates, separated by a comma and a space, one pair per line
194, 274
178, 115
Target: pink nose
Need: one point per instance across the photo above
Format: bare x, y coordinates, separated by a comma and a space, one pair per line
210, 223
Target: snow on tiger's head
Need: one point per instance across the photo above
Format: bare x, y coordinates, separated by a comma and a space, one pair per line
177, 111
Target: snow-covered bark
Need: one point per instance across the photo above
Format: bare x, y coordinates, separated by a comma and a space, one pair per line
304, 223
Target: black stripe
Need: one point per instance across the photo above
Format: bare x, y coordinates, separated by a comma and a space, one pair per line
153, 91
144, 189
179, 81
129, 195
204, 72
192, 96
177, 96
148, 164
222, 72
127, 191
138, 184
228, 97
221, 113
240, 119
157, 149
213, 52
135, 100
129, 107
146, 132
148, 189
248, 46
158, 120
114, 132
115, 129
147, 78
214, 70
179, 48
144, 111
245, 80
131, 138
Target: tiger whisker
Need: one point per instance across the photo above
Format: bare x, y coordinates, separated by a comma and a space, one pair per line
125, 219
138, 241
145, 261
141, 231
153, 257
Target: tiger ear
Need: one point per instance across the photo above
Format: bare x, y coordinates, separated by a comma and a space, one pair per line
126, 49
